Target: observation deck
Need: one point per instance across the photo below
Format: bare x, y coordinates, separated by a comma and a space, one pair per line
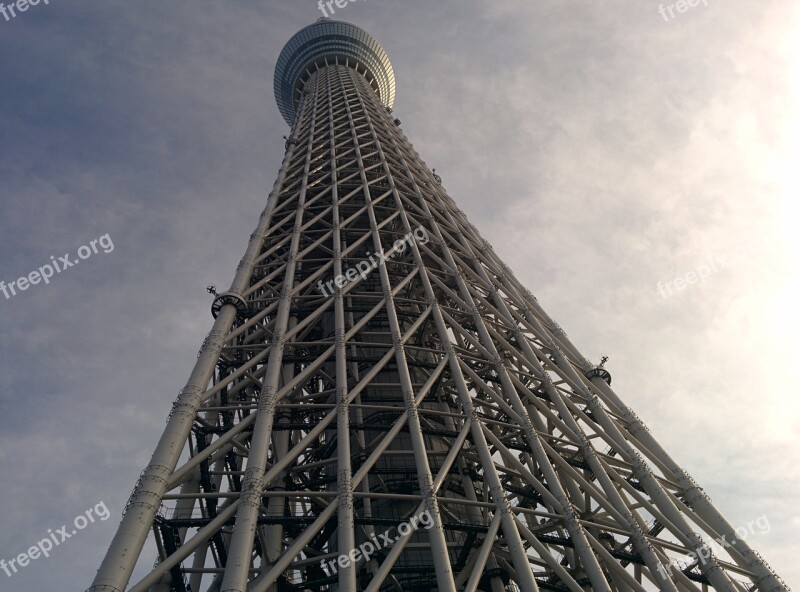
324, 43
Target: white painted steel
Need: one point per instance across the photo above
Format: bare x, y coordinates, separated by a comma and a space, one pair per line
341, 393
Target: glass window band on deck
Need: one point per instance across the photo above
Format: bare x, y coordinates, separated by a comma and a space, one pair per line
330, 42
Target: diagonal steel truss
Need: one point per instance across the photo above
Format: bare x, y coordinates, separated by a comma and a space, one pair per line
321, 415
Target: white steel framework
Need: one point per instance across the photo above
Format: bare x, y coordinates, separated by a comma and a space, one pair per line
322, 414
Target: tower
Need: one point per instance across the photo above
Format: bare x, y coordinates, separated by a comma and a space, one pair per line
380, 405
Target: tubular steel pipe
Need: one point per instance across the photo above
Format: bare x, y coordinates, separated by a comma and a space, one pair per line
120, 559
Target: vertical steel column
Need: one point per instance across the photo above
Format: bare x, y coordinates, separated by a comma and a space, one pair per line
640, 543
710, 567
120, 559
344, 472
509, 527
241, 547
697, 499
444, 573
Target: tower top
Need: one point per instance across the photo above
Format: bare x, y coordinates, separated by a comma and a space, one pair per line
327, 42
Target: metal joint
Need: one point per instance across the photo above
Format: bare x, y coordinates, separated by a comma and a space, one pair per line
599, 372
233, 298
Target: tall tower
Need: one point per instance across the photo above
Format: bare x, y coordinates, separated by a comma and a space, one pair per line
381, 405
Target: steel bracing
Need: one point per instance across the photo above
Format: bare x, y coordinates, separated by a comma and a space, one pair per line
323, 414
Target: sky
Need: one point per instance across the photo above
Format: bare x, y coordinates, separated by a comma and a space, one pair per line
637, 171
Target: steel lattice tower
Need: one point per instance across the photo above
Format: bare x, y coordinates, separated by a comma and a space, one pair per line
326, 413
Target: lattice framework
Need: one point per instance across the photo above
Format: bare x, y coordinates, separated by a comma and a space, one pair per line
312, 423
